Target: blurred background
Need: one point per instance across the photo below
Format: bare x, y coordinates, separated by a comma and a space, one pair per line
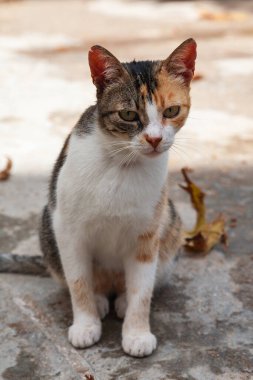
45, 85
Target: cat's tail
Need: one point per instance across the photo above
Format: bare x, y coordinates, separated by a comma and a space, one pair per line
33, 265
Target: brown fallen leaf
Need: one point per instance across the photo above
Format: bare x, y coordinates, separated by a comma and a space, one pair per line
224, 16
197, 200
5, 173
205, 235
89, 377
233, 222
197, 77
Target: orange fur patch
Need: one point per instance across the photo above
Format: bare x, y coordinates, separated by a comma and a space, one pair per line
106, 281
178, 122
139, 319
170, 91
147, 249
83, 296
159, 99
102, 280
119, 284
148, 243
144, 91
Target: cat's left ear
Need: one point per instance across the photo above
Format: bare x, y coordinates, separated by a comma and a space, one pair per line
181, 62
104, 67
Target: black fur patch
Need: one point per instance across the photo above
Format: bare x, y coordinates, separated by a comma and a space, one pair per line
174, 217
173, 212
56, 170
143, 72
48, 243
84, 124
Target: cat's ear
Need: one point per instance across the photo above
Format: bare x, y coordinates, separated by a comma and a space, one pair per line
181, 62
104, 67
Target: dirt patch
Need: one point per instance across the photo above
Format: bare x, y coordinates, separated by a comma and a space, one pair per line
25, 369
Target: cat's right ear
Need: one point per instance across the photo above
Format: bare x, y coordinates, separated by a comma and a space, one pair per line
181, 62
104, 67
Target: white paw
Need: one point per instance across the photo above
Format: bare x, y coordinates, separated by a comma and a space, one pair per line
142, 344
83, 335
121, 306
102, 305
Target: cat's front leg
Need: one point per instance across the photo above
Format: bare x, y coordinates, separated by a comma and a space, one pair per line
77, 265
140, 270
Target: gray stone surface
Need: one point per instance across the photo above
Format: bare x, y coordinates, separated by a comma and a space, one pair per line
204, 319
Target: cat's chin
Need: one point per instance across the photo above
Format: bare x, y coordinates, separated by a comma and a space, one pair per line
153, 154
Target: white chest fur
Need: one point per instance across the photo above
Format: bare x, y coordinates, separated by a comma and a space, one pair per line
113, 205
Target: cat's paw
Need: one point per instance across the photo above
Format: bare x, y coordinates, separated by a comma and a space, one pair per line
121, 306
83, 335
139, 344
102, 305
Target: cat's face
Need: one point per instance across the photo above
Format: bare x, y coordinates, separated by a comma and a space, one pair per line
142, 105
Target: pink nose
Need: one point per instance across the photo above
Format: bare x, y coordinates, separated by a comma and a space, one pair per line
154, 141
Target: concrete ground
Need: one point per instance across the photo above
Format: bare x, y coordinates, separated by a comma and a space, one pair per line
203, 320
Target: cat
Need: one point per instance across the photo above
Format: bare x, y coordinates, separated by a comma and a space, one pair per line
109, 226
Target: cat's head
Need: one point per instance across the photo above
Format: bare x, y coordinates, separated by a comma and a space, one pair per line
141, 105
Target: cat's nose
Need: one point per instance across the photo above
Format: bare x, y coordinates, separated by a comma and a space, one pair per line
154, 141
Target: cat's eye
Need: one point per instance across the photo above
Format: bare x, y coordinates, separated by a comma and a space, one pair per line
128, 115
171, 112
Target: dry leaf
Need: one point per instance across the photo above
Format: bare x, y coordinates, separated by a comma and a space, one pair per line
5, 173
233, 222
89, 377
208, 236
197, 77
197, 199
205, 235
224, 16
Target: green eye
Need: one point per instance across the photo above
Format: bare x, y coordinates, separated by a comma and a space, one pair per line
171, 112
128, 115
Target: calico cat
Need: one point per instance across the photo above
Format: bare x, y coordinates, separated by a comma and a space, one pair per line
109, 225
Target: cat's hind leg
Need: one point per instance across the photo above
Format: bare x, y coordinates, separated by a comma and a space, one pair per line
121, 305
102, 303
170, 243
102, 285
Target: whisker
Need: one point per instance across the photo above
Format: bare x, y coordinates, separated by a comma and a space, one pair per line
126, 158
134, 155
123, 160
118, 143
116, 151
193, 148
180, 153
127, 162
183, 151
